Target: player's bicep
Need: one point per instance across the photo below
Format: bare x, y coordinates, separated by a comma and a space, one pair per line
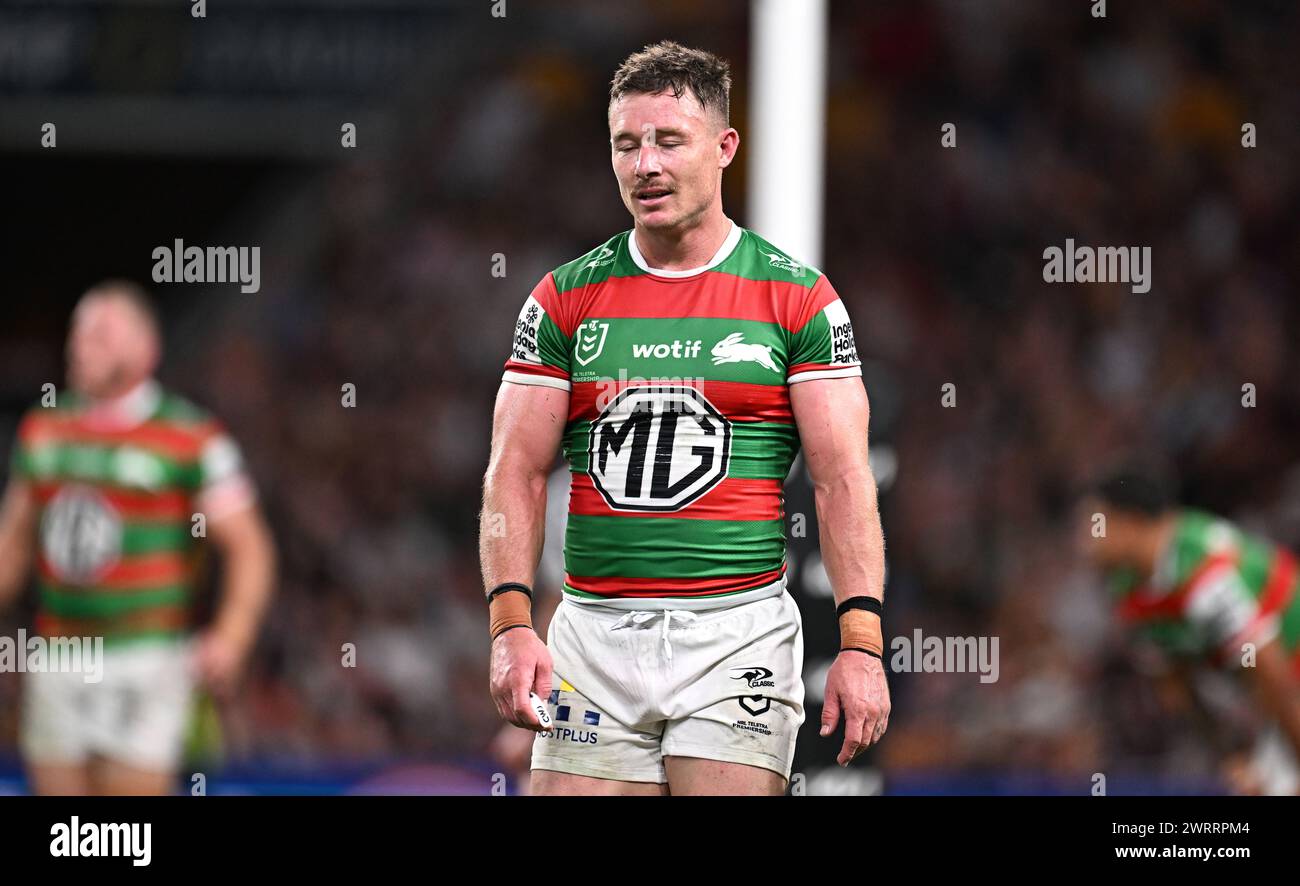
18, 512
18, 521
831, 415
240, 530
528, 424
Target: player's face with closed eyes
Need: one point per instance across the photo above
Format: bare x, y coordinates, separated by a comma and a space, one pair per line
668, 154
110, 346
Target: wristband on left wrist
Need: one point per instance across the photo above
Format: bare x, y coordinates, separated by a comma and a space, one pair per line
860, 628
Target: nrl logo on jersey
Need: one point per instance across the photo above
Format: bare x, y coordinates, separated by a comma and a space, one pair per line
591, 341
604, 257
734, 349
784, 262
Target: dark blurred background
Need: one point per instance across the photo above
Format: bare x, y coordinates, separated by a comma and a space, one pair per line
479, 135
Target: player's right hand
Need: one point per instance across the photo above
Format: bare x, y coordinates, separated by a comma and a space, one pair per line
521, 663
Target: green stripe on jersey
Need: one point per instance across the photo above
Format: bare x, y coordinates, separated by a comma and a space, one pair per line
72, 603
118, 464
756, 259
155, 538
669, 547
680, 348
609, 259
760, 450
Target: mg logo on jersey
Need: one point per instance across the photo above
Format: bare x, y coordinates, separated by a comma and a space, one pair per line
734, 349
591, 341
657, 448
81, 534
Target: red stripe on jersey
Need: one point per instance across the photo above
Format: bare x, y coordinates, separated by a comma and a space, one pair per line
143, 572
818, 298
535, 369
173, 441
615, 587
755, 499
738, 401
131, 505
713, 295
160, 618
1280, 586
1141, 606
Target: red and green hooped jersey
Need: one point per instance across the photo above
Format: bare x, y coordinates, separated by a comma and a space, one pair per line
116, 555
1215, 589
680, 432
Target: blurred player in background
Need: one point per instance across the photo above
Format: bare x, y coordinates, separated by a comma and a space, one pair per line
681, 365
1206, 592
102, 496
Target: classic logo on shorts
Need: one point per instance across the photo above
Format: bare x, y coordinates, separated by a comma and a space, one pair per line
754, 677
81, 534
658, 448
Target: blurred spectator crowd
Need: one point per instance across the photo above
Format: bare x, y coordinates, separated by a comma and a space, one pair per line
1118, 131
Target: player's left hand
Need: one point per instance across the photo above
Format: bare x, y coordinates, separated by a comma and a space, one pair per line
857, 688
217, 661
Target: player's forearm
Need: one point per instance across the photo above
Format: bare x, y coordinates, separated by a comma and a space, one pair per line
15, 560
1278, 690
852, 542
512, 524
17, 538
247, 587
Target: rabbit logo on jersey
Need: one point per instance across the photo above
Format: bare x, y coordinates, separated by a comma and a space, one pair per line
657, 448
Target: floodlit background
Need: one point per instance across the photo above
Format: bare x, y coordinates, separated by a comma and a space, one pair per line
479, 135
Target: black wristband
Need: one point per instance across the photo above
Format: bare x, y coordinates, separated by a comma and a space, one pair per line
859, 649
871, 604
510, 586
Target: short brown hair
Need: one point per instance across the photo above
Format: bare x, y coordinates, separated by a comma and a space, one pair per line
668, 65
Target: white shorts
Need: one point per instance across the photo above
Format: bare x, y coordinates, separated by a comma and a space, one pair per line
137, 714
635, 686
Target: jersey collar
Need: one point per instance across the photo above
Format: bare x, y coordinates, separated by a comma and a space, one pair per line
128, 410
729, 244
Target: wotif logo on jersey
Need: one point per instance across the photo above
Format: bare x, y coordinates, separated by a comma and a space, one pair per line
677, 349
